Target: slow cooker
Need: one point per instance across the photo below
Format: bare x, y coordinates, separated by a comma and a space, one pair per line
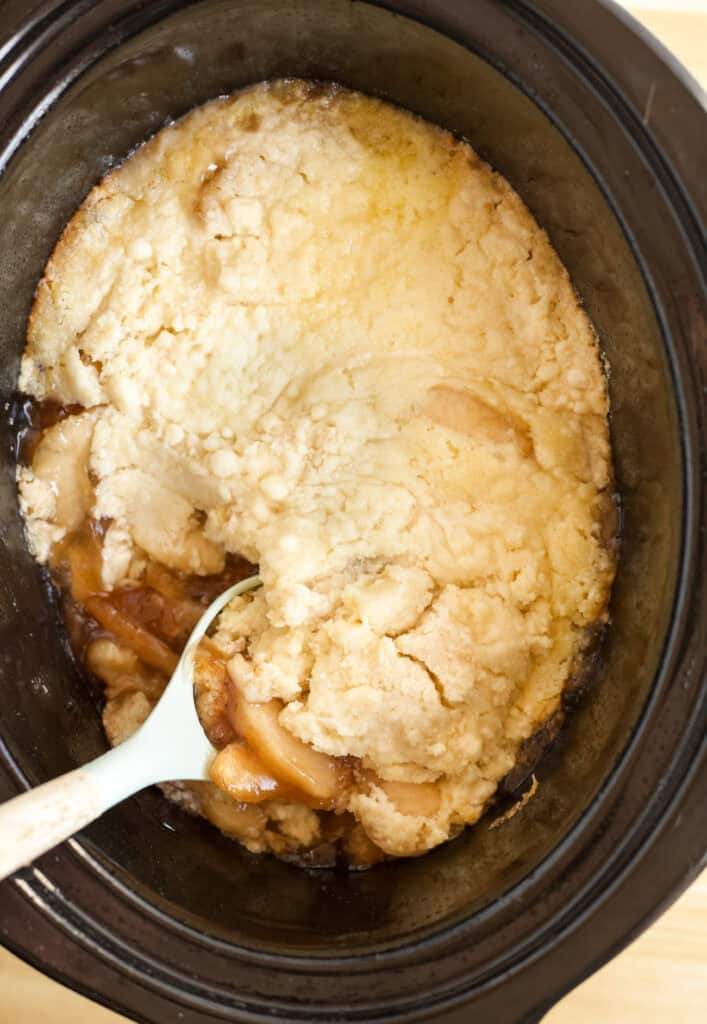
603, 135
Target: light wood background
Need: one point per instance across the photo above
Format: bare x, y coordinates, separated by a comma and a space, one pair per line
662, 977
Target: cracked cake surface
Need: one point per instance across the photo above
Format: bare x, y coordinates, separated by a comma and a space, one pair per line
303, 326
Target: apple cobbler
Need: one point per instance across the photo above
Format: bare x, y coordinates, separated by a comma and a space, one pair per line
304, 331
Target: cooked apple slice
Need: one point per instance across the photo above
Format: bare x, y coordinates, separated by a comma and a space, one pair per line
80, 552
147, 647
421, 799
467, 414
212, 688
361, 850
120, 670
322, 778
244, 821
60, 461
240, 773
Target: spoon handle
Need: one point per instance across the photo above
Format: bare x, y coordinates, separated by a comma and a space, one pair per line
30, 824
35, 821
171, 744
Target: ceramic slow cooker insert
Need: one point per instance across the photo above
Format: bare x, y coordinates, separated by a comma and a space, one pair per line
155, 913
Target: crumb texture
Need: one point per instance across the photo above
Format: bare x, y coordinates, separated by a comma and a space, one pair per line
313, 330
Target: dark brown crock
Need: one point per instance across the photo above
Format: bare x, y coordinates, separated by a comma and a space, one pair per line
603, 135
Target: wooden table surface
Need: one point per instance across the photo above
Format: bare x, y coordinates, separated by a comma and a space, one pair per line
662, 977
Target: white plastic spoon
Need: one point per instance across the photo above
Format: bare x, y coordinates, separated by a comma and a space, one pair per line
171, 745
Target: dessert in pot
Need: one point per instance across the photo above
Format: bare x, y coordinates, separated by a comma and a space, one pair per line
304, 330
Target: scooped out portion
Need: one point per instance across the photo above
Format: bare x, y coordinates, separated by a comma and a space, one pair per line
303, 330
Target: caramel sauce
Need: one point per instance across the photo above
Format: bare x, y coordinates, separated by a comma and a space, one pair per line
153, 619
211, 678
76, 562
